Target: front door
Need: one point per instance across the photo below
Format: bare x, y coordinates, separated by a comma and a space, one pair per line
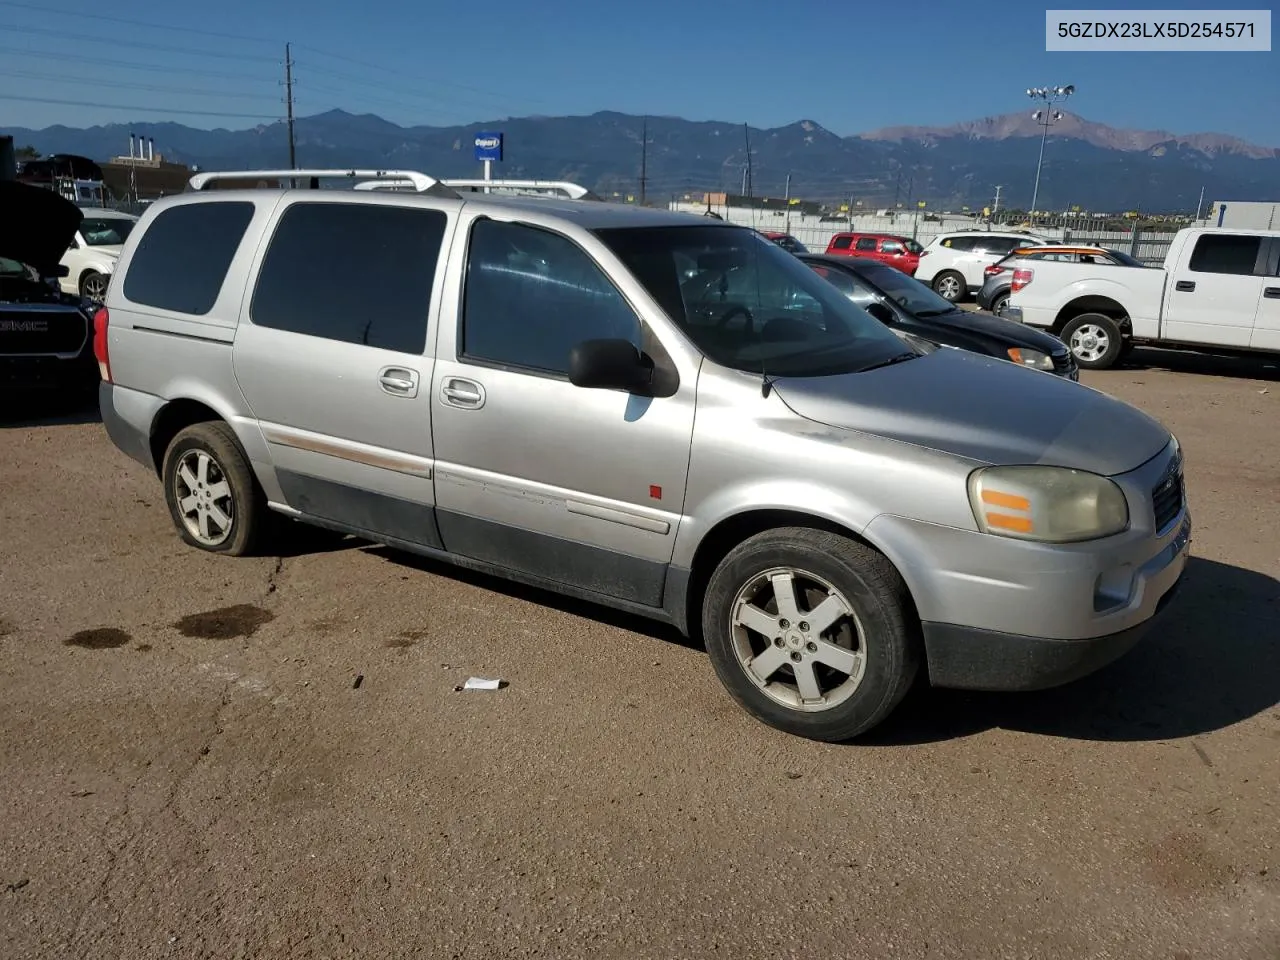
581, 487
1213, 296
334, 361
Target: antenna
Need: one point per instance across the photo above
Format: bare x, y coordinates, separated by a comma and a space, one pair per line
644, 156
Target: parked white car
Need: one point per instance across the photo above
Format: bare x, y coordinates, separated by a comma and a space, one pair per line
1218, 288
953, 263
91, 258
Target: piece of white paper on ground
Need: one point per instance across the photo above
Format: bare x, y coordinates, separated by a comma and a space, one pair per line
480, 683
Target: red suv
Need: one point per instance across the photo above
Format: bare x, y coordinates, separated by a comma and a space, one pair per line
900, 252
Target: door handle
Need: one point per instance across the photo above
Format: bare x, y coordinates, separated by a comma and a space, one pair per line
1272, 293
460, 392
1185, 286
398, 381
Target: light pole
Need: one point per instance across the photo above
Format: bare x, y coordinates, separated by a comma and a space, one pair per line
1046, 117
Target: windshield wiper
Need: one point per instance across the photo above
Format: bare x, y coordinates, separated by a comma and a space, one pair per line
896, 358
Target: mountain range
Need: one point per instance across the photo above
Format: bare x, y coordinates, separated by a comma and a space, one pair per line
1088, 164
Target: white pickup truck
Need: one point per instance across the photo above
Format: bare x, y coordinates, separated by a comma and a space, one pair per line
1219, 290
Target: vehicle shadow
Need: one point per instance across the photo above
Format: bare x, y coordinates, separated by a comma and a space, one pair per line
546, 598
1259, 367
48, 408
1214, 660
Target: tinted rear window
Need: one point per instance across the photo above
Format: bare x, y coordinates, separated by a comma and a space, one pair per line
359, 273
1226, 253
183, 257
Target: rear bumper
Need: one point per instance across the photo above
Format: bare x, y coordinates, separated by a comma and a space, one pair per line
968, 658
127, 416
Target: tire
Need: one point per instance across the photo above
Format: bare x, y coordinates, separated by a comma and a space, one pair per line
93, 285
243, 502
999, 303
1094, 339
879, 662
950, 286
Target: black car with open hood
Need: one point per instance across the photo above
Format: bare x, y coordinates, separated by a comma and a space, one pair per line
46, 336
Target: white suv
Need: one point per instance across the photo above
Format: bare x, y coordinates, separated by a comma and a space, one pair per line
953, 262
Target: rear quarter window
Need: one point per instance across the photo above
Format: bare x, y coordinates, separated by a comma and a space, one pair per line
841, 243
182, 258
958, 243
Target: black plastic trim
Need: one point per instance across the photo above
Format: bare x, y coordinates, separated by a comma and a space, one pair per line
599, 571
364, 510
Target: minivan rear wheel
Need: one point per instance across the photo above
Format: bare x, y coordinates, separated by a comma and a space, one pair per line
213, 496
811, 632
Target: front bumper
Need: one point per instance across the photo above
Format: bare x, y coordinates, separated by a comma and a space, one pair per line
969, 658
1005, 614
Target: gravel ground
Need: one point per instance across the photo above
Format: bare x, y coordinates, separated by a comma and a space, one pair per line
209, 757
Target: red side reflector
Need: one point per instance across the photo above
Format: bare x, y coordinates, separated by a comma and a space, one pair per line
655, 491
101, 320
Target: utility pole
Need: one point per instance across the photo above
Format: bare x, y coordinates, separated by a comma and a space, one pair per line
288, 94
644, 157
787, 201
1200, 203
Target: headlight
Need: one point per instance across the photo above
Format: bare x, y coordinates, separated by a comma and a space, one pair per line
1031, 358
1048, 504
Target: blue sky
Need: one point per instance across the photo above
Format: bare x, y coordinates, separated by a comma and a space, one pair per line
850, 66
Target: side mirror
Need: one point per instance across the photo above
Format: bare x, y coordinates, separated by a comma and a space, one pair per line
610, 365
881, 313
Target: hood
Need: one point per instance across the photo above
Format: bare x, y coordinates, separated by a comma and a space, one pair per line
993, 326
36, 225
983, 409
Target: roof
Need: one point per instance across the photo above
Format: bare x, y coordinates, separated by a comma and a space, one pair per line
107, 213
587, 214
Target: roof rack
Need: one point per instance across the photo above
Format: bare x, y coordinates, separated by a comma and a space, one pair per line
411, 179
564, 188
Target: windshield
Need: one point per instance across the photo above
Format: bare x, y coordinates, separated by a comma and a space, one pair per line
105, 231
912, 246
918, 298
748, 304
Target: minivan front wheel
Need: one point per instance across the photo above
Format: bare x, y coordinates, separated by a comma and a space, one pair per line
811, 632
213, 497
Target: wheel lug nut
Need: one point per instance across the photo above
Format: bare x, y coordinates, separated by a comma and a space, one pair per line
811, 647
777, 641
784, 623
804, 626
796, 656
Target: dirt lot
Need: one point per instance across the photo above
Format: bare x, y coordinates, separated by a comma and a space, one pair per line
190, 768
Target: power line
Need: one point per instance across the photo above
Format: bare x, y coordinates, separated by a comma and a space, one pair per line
131, 65
149, 87
138, 44
130, 106
417, 78
81, 15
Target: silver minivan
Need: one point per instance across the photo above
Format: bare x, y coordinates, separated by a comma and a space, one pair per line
660, 412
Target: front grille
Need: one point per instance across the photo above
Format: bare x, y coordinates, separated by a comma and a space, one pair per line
34, 331
1167, 497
